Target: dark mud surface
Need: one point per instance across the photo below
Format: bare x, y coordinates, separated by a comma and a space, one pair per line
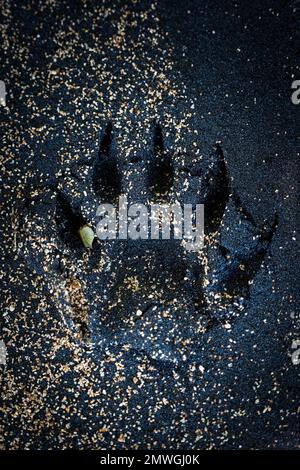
144, 344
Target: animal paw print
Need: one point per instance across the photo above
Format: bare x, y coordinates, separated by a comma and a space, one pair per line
154, 294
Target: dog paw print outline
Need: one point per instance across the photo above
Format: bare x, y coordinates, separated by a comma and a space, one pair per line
155, 287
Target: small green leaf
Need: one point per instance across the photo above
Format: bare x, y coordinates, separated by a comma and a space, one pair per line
87, 236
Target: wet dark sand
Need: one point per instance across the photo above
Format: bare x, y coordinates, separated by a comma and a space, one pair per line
142, 345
